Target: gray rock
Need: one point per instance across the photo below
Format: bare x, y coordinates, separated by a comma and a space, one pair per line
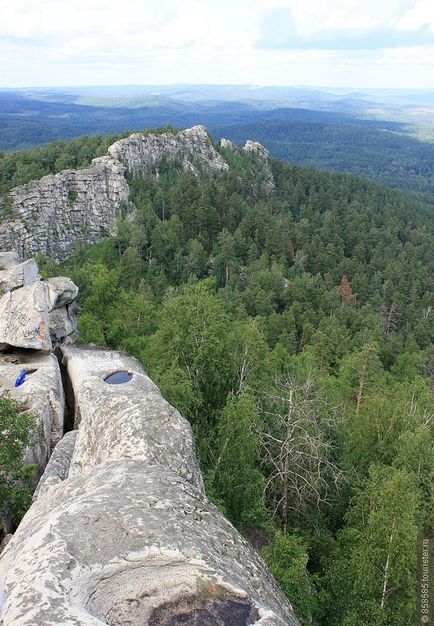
42, 393
225, 143
20, 275
256, 148
61, 291
63, 325
52, 215
143, 154
24, 318
39, 316
125, 421
57, 469
8, 258
125, 543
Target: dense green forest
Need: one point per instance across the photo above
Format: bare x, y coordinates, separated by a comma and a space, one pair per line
394, 159
293, 329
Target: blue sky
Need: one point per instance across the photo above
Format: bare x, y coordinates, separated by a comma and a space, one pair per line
340, 43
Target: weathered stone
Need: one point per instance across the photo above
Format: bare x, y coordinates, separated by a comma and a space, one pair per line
57, 469
8, 258
19, 275
256, 148
52, 215
124, 543
24, 318
225, 143
143, 154
63, 325
40, 316
61, 291
42, 393
125, 421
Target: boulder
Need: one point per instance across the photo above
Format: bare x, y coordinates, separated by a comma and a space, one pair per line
61, 291
19, 275
24, 318
36, 316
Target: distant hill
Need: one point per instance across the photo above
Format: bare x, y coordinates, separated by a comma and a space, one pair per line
326, 130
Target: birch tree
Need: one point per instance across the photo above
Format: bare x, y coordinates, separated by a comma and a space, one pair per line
297, 448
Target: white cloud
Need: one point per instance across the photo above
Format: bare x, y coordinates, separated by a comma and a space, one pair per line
143, 41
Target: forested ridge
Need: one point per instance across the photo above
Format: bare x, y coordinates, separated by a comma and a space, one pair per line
292, 328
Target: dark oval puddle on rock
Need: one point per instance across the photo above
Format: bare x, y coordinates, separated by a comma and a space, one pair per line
117, 378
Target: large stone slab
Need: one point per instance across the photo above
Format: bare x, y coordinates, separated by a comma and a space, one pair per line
24, 318
125, 421
125, 543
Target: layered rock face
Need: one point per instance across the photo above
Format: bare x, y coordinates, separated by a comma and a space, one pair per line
52, 215
121, 531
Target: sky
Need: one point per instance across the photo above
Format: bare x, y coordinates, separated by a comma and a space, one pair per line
335, 43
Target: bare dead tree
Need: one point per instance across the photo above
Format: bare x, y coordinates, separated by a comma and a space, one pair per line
297, 450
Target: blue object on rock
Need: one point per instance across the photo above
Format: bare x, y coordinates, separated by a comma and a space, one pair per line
21, 378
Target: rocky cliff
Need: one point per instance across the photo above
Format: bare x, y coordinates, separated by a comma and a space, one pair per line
52, 215
120, 531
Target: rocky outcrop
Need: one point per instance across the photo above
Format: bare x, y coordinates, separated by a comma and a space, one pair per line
52, 215
125, 421
32, 318
191, 148
256, 148
121, 531
226, 144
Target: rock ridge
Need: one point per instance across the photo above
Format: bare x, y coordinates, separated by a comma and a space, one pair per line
52, 215
120, 530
